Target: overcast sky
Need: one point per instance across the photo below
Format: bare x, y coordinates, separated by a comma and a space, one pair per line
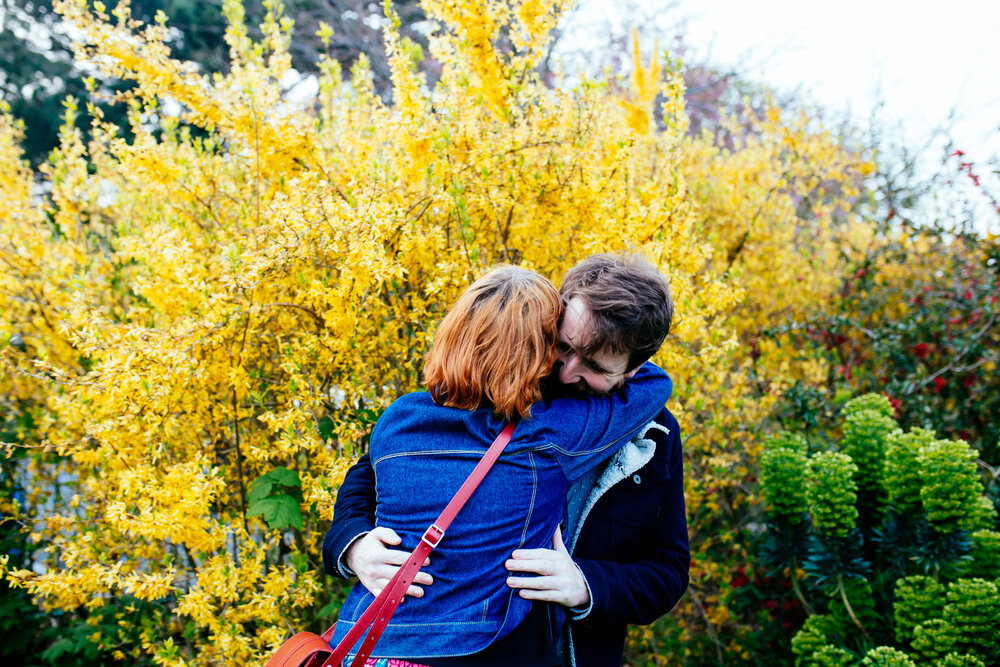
929, 61
925, 58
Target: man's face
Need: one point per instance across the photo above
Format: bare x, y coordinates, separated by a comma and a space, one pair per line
598, 373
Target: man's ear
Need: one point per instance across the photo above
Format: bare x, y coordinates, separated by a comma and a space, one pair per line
632, 372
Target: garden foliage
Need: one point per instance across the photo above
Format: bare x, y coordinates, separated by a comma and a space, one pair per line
917, 315
895, 558
202, 316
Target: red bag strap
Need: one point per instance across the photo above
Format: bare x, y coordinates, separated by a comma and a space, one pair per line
384, 606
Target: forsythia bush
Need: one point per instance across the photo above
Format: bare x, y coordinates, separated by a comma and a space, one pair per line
202, 316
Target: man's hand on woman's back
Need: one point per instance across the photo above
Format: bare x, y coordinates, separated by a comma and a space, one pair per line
557, 579
375, 563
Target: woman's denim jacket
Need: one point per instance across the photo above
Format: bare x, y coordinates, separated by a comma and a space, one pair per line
422, 452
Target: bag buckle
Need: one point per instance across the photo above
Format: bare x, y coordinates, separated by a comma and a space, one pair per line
432, 536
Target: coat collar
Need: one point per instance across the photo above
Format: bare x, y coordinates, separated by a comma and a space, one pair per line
630, 458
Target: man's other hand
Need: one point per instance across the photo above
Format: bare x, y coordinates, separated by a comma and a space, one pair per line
559, 579
375, 563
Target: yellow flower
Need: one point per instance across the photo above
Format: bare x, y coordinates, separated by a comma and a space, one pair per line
196, 308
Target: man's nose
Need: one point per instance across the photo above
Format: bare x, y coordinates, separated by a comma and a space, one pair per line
569, 370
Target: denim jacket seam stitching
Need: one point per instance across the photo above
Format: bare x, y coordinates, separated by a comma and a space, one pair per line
597, 449
413, 625
427, 452
531, 504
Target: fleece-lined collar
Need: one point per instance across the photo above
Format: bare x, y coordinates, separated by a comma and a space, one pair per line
630, 458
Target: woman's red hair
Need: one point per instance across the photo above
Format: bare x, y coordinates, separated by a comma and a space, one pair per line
496, 344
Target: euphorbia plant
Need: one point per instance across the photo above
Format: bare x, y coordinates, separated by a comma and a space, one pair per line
888, 552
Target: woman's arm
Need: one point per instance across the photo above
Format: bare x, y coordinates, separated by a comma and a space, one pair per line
585, 431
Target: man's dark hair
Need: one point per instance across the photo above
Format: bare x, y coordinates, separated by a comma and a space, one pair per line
630, 304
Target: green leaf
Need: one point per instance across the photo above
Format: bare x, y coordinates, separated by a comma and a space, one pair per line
58, 649
278, 483
301, 562
284, 477
279, 511
325, 426
260, 488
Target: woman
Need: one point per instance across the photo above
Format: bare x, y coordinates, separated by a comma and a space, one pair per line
486, 366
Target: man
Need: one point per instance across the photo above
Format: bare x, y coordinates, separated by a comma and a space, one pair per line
625, 558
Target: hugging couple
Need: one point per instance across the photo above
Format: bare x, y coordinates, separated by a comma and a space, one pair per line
579, 527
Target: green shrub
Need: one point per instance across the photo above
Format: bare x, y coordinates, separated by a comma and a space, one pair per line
973, 616
816, 632
960, 660
866, 436
985, 555
903, 478
783, 475
951, 486
832, 656
830, 491
886, 656
914, 578
917, 599
932, 639
869, 402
